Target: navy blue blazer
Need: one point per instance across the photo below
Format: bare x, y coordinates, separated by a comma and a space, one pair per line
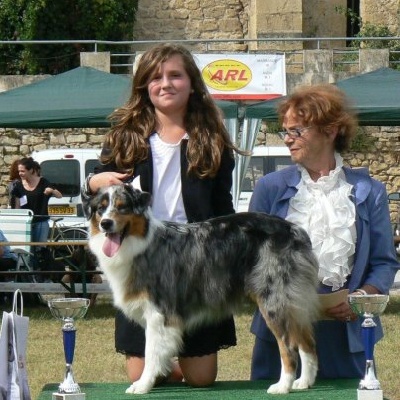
375, 261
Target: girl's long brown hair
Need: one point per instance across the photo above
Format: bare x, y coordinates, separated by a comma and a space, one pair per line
134, 122
14, 170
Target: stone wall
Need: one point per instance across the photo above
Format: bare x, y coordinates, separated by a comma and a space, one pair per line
8, 82
193, 19
240, 19
297, 18
382, 12
255, 19
383, 161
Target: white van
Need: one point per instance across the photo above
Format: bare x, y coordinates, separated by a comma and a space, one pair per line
264, 159
67, 169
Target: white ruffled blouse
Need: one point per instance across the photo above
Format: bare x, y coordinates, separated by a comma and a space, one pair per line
324, 209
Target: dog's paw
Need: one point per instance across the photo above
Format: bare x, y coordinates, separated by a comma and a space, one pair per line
130, 390
138, 388
278, 388
308, 374
300, 384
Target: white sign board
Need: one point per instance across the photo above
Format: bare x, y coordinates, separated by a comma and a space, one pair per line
243, 76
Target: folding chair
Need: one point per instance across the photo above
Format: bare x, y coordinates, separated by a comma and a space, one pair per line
16, 225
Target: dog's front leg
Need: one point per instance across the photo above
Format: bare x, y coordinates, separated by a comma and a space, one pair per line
162, 343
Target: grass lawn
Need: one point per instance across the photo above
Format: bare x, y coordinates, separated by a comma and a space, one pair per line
96, 360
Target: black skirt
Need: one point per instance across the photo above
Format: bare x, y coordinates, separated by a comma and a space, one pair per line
208, 339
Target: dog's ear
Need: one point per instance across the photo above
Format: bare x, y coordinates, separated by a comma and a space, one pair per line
140, 200
145, 199
88, 210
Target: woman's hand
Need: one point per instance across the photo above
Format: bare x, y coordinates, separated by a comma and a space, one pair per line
106, 179
341, 312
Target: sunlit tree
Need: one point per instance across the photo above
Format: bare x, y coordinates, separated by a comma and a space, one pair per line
59, 20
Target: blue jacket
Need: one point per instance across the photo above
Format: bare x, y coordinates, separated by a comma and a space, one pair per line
375, 260
7, 253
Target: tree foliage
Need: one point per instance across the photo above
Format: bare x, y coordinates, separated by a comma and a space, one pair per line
370, 30
59, 20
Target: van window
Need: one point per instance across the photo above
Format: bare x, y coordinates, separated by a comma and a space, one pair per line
64, 175
90, 166
260, 166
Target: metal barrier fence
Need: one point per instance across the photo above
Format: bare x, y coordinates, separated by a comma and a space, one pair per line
343, 56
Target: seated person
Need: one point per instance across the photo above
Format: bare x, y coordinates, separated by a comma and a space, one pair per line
8, 261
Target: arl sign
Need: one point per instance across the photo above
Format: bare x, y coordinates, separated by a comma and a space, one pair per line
227, 75
243, 76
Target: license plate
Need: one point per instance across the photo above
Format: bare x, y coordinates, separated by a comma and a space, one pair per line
62, 210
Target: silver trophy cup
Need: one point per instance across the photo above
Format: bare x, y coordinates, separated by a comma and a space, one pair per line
68, 310
368, 307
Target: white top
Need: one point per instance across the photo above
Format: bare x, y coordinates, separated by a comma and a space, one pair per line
324, 209
167, 186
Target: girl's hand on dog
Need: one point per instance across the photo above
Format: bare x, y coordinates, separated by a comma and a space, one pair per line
106, 179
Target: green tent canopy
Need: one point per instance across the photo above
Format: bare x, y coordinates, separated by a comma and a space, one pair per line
80, 98
374, 96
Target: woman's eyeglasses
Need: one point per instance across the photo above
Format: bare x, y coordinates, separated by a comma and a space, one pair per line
293, 133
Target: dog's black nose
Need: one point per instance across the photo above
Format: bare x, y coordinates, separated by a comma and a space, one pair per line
106, 224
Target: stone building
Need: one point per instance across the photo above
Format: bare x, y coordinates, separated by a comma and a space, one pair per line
260, 19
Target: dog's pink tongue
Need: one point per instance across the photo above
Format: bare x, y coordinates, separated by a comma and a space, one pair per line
111, 244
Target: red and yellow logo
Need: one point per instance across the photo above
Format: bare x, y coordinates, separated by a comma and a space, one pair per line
226, 75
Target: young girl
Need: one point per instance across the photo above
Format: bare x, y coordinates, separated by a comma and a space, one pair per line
170, 138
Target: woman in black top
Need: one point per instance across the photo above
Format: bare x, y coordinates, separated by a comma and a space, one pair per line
33, 193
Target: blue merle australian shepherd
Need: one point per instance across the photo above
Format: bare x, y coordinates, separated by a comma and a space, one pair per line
172, 277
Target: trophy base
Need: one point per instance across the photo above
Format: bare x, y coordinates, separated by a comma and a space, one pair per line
365, 394
69, 396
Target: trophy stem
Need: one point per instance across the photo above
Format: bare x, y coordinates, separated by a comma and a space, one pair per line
69, 385
370, 382
69, 335
368, 335
67, 310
